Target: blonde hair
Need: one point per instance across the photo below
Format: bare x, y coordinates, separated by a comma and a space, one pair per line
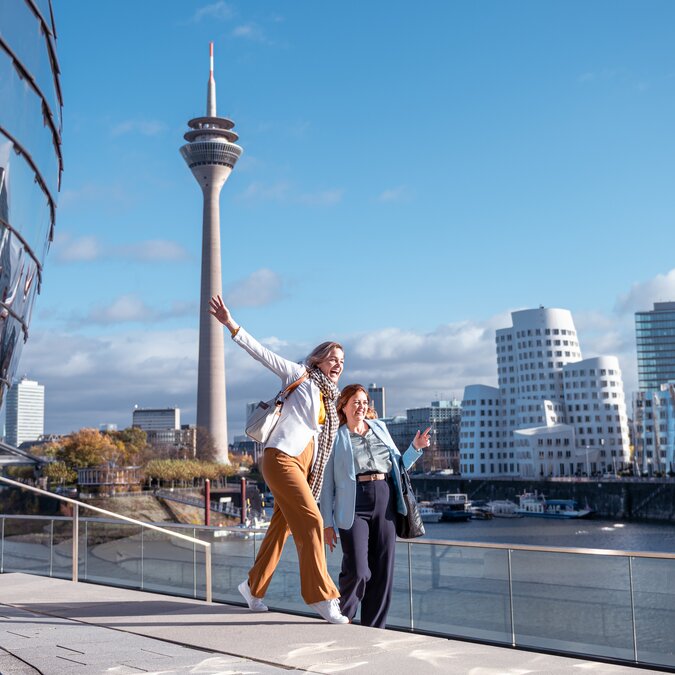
345, 395
320, 353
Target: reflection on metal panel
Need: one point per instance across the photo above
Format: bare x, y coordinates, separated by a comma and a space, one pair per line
30, 166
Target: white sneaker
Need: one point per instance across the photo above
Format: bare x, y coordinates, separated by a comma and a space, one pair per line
330, 610
254, 604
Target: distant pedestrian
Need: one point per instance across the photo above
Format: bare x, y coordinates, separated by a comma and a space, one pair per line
293, 467
360, 497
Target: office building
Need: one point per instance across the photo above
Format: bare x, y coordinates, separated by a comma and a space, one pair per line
156, 419
655, 339
30, 166
444, 419
654, 430
377, 399
25, 412
211, 154
553, 413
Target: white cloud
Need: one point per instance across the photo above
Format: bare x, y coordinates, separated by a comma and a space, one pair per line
221, 11
396, 194
642, 295
82, 249
130, 308
143, 127
70, 249
262, 287
250, 31
283, 191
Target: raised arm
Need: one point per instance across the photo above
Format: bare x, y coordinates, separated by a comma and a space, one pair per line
288, 371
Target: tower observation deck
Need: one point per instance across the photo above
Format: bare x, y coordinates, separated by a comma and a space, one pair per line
211, 153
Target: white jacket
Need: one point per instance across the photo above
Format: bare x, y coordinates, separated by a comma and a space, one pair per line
299, 420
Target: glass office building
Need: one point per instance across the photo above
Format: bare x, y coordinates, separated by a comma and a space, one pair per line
30, 165
655, 338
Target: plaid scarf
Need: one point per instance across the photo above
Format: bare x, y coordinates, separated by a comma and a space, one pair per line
327, 436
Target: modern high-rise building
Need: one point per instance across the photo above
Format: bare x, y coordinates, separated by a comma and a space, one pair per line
654, 430
553, 414
30, 166
25, 412
655, 338
156, 419
211, 154
377, 399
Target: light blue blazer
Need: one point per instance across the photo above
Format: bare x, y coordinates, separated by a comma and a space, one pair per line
338, 494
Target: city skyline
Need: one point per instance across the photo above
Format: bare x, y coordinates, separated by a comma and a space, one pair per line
538, 172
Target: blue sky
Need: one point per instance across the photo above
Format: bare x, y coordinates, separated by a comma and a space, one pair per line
411, 174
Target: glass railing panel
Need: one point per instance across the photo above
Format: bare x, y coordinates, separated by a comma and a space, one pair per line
233, 552
27, 545
111, 553
62, 549
399, 614
168, 563
572, 603
654, 597
284, 591
461, 591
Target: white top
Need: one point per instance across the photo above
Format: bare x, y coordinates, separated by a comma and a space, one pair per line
299, 420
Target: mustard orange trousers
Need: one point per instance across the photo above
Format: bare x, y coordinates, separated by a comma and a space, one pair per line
296, 512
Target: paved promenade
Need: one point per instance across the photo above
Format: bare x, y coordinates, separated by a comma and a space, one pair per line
55, 627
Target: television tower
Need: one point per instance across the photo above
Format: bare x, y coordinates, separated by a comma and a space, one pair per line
211, 154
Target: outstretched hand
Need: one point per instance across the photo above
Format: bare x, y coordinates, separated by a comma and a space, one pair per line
422, 441
217, 308
330, 537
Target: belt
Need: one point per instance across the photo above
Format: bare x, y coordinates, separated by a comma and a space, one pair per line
367, 477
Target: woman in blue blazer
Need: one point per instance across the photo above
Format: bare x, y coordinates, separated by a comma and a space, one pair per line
360, 496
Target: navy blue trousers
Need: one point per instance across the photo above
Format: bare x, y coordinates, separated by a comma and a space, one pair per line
368, 548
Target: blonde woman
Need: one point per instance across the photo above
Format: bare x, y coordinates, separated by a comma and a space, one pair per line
293, 467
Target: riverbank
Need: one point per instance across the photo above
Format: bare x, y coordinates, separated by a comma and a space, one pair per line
640, 499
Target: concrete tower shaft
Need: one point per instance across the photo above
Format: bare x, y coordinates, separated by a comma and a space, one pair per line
211, 153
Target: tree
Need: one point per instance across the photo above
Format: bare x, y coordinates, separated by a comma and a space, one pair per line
58, 472
89, 447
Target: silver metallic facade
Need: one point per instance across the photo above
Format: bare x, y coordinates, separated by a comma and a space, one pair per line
30, 165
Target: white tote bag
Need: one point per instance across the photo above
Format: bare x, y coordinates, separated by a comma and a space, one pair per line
266, 414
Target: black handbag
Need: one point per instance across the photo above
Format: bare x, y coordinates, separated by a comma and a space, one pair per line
409, 526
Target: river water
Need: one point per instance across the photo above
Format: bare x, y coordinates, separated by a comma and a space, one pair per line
577, 533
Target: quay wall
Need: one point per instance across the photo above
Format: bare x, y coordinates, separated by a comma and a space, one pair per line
621, 498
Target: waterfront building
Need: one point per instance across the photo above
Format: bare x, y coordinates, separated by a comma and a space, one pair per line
30, 166
211, 153
444, 419
156, 419
655, 340
553, 413
25, 412
654, 430
377, 399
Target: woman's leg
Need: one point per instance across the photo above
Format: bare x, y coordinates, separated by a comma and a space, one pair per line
286, 477
381, 550
355, 572
267, 559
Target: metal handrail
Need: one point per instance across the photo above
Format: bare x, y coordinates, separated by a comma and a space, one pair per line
76, 514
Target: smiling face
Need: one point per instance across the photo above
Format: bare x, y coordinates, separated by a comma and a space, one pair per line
355, 408
333, 364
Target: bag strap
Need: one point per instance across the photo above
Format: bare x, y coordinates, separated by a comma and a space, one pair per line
284, 393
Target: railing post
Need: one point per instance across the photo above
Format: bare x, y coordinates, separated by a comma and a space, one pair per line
513, 624
632, 607
410, 589
207, 565
76, 547
142, 556
2, 548
51, 548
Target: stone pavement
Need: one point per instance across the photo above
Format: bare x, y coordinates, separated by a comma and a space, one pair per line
55, 627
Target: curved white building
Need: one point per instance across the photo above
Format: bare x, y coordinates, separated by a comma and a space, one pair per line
538, 433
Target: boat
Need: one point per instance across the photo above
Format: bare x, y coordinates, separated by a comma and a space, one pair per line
429, 514
503, 508
453, 507
479, 510
534, 504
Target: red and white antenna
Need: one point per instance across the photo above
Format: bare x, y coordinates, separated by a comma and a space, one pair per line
211, 60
